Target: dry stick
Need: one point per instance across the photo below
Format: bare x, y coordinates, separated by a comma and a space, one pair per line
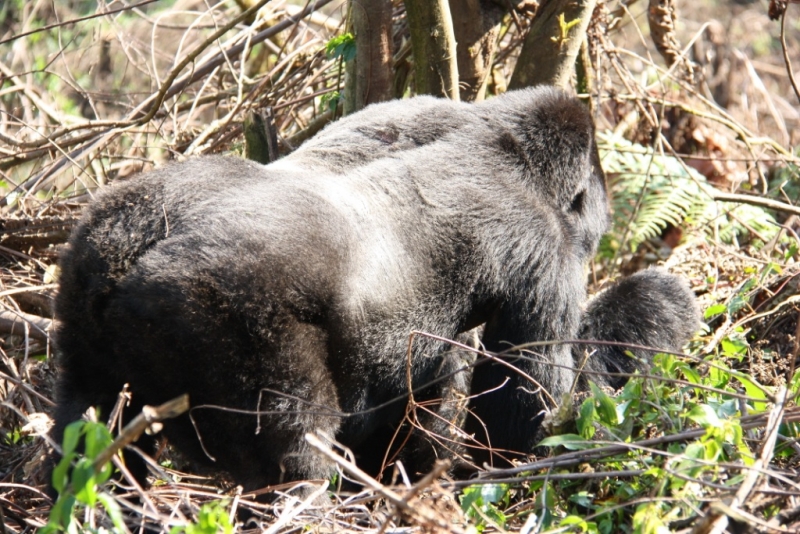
140, 423
145, 498
745, 517
11, 321
723, 118
716, 194
28, 289
786, 53
598, 475
287, 516
746, 139
420, 512
27, 387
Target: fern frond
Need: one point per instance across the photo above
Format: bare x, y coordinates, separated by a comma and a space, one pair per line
651, 191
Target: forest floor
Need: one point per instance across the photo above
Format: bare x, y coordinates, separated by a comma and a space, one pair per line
703, 175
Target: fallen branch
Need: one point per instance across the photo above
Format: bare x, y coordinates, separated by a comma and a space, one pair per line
13, 323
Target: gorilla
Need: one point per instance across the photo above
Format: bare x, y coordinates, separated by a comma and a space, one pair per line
292, 288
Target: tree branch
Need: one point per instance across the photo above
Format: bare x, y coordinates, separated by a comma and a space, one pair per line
551, 47
434, 46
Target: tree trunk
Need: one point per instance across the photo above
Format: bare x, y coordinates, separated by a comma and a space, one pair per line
368, 77
434, 47
549, 52
475, 25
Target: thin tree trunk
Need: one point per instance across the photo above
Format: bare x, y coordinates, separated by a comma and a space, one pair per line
551, 47
368, 77
475, 25
434, 47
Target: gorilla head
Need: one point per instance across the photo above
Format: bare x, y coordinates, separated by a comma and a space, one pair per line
298, 283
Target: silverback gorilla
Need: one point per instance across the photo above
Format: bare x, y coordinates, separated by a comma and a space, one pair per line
228, 280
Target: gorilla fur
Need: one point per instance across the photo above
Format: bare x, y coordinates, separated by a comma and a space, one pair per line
229, 280
650, 308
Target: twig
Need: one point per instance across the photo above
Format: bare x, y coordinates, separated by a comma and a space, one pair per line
598, 475
27, 387
74, 21
716, 194
786, 53
17, 290
171, 87
286, 517
140, 423
419, 511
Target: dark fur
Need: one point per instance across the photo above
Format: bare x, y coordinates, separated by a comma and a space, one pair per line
220, 277
650, 308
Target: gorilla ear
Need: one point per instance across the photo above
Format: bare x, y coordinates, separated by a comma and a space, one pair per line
557, 138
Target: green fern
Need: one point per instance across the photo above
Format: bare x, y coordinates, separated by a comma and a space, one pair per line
650, 191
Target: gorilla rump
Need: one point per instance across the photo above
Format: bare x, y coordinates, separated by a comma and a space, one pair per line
230, 280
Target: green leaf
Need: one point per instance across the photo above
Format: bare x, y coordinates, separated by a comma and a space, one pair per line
83, 482
713, 450
572, 442
752, 389
331, 100
716, 309
343, 46
97, 439
61, 473
794, 383
791, 250
606, 409
61, 514
741, 299
211, 519
695, 451
113, 510
494, 492
582, 498
72, 433
719, 375
481, 498
586, 418
704, 415
470, 495
574, 521
728, 409
733, 347
546, 502
690, 373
